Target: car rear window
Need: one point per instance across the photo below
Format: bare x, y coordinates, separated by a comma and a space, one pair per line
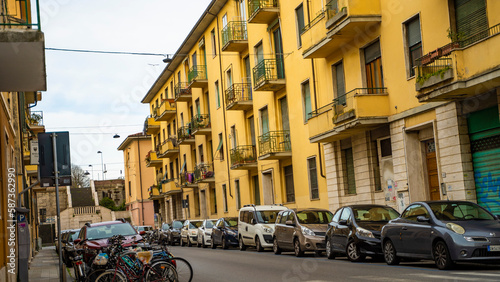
375, 213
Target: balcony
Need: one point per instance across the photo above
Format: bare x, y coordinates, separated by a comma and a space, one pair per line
340, 22
152, 160
197, 77
201, 125
170, 186
151, 126
154, 192
187, 180
269, 75
169, 148
234, 37
262, 11
204, 173
239, 97
22, 50
165, 110
182, 92
275, 145
34, 121
244, 158
456, 71
185, 135
358, 110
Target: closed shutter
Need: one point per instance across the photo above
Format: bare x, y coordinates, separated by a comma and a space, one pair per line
484, 130
351, 182
470, 17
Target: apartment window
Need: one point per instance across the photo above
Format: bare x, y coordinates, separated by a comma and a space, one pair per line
129, 188
224, 20
290, 189
306, 100
339, 83
251, 125
264, 119
238, 196
299, 15
243, 11
224, 194
349, 179
229, 78
313, 178
43, 215
172, 170
217, 94
214, 47
172, 89
259, 53
200, 152
373, 66
256, 189
166, 93
414, 43
194, 61
233, 137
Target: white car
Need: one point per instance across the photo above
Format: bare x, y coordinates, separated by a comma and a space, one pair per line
189, 232
205, 233
256, 226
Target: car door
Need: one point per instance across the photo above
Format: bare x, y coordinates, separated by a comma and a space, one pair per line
415, 235
289, 229
334, 230
217, 231
278, 228
250, 228
344, 228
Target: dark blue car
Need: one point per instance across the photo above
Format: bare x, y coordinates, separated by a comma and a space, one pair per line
225, 233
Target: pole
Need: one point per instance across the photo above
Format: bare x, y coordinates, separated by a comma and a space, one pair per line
102, 166
56, 180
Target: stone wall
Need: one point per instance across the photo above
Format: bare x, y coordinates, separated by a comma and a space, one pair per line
47, 200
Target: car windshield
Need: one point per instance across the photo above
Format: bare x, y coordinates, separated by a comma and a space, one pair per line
231, 221
209, 224
374, 213
195, 224
314, 217
165, 226
267, 216
74, 235
106, 231
451, 211
177, 224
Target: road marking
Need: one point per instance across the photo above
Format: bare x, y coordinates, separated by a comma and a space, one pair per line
494, 274
453, 278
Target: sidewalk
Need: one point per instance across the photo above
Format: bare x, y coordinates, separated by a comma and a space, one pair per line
45, 266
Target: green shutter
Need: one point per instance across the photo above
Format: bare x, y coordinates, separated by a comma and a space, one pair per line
351, 182
470, 16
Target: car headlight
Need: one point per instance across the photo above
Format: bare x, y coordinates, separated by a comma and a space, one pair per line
267, 229
307, 231
455, 228
361, 232
193, 232
231, 232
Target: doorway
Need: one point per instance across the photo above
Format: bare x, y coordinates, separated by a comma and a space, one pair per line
432, 170
267, 187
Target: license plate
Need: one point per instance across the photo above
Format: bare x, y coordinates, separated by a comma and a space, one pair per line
495, 248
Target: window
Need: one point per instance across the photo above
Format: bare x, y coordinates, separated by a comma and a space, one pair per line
264, 119
349, 181
306, 100
224, 194
339, 83
336, 217
313, 178
243, 11
214, 47
414, 43
213, 200
129, 188
285, 122
385, 148
251, 126
233, 137
259, 53
220, 148
200, 152
346, 215
256, 189
290, 190
229, 78
194, 61
278, 51
373, 66
412, 212
224, 20
238, 196
299, 15
217, 94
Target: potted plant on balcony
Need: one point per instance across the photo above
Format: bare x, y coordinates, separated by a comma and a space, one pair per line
455, 38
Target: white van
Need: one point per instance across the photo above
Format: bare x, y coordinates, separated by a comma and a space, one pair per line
256, 226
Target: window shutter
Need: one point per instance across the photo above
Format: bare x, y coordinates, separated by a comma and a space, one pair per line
372, 52
414, 32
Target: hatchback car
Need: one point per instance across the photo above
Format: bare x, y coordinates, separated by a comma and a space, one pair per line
225, 233
174, 232
67, 245
189, 232
205, 233
355, 231
444, 231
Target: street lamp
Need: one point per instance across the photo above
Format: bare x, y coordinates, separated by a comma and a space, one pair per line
92, 171
102, 164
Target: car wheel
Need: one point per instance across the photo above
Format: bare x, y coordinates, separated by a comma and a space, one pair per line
242, 245
442, 256
224, 243
329, 251
353, 253
296, 248
258, 245
390, 253
212, 243
276, 247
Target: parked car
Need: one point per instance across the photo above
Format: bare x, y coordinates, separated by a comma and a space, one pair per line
205, 233
444, 231
145, 228
256, 225
94, 236
174, 232
67, 245
163, 232
225, 233
56, 239
301, 230
189, 232
355, 231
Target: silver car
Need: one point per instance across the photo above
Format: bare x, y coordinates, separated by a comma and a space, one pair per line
205, 232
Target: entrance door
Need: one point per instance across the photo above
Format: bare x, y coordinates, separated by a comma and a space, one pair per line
432, 171
267, 187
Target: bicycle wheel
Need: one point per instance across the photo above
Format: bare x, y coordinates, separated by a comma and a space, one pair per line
111, 276
184, 269
162, 271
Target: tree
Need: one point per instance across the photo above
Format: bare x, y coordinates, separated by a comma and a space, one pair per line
78, 177
110, 204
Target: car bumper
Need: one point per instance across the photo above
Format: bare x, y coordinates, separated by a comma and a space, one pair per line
370, 246
232, 240
313, 243
266, 241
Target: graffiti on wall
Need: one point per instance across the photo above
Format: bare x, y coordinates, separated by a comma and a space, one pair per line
488, 191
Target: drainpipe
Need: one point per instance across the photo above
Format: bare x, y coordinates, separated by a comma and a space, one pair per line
140, 177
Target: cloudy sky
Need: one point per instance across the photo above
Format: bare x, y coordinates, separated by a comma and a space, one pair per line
95, 96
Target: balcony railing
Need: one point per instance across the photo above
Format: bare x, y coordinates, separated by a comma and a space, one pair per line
234, 31
262, 11
242, 155
238, 92
203, 172
152, 159
479, 36
435, 68
16, 20
151, 126
197, 73
200, 122
343, 106
168, 148
182, 90
332, 9
185, 132
275, 142
267, 70
319, 16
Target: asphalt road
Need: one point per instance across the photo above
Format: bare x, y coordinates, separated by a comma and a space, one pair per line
235, 265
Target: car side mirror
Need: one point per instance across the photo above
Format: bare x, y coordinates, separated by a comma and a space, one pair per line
142, 232
343, 222
253, 221
77, 240
422, 218
289, 223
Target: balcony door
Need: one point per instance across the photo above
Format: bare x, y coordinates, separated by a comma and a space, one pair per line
285, 122
278, 51
373, 67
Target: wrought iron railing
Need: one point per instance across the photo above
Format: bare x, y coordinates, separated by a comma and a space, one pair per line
244, 154
275, 142
319, 16
200, 121
319, 111
255, 5
479, 36
436, 67
203, 171
332, 8
268, 69
238, 92
185, 132
198, 72
22, 20
345, 103
234, 31
182, 88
